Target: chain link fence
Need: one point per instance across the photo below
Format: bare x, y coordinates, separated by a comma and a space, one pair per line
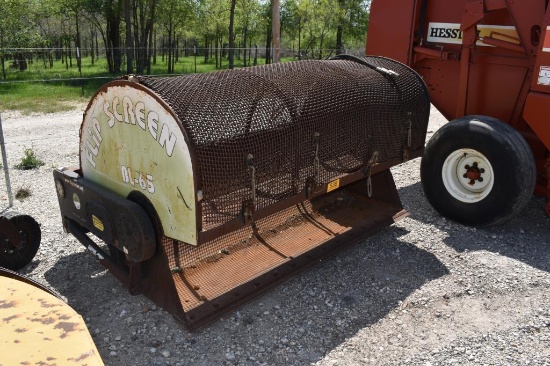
73, 66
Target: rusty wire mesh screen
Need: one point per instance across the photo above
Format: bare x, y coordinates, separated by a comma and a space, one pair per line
241, 257
272, 113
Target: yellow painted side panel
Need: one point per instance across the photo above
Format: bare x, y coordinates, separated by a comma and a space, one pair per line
39, 329
131, 142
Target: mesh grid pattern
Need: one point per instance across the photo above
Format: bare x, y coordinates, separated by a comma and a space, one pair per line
272, 112
272, 226
211, 270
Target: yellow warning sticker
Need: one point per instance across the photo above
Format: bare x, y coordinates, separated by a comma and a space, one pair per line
333, 185
97, 223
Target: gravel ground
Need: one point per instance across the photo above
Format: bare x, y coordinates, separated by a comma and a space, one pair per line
425, 291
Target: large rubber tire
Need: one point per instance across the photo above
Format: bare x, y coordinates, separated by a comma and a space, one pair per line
478, 171
15, 259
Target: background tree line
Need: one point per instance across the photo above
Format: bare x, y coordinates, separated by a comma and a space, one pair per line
133, 34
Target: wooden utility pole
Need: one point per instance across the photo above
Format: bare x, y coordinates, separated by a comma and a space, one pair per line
276, 31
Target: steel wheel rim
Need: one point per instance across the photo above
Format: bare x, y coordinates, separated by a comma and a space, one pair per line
468, 175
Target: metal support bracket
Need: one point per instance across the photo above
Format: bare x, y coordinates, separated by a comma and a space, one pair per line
408, 143
367, 171
252, 168
316, 164
249, 206
312, 183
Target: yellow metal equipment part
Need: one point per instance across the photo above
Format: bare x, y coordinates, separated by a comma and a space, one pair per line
39, 329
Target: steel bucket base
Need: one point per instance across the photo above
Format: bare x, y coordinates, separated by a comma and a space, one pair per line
197, 285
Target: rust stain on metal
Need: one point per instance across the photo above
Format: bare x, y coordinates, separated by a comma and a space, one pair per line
48, 320
46, 304
9, 318
7, 304
64, 317
83, 356
66, 327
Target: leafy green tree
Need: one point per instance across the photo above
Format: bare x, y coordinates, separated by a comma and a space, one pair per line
17, 30
213, 19
106, 15
318, 25
67, 14
248, 24
221, 29
144, 17
291, 25
173, 16
267, 11
352, 22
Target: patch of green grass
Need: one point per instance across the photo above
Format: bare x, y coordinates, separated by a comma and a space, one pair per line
39, 97
37, 70
41, 89
29, 161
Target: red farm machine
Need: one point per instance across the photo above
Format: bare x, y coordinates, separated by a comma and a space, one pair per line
486, 65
